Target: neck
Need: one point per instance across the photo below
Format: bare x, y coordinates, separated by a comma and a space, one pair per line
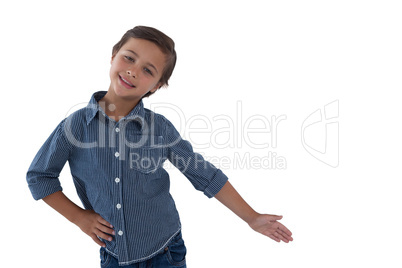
116, 107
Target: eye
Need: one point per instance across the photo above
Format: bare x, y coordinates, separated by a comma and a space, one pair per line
129, 58
148, 71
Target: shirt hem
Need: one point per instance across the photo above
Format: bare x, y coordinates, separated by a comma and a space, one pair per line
147, 257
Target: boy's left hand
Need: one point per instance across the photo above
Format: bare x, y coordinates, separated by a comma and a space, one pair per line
268, 225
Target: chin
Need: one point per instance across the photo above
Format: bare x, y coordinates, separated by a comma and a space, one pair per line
119, 91
124, 93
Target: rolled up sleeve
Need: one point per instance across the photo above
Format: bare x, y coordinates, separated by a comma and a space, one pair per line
203, 175
43, 173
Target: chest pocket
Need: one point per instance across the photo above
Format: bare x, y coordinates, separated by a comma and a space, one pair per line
146, 153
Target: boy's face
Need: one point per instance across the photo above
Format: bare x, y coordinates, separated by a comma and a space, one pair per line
136, 69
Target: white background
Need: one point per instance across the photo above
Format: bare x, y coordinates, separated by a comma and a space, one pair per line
278, 58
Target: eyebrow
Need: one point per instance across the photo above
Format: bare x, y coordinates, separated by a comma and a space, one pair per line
148, 63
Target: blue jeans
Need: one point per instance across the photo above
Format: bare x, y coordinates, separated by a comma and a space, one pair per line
173, 256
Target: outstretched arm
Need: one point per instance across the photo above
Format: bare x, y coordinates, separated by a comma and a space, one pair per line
263, 223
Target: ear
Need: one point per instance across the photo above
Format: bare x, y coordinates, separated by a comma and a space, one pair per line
111, 60
158, 86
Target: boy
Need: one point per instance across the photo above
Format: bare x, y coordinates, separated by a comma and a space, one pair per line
116, 149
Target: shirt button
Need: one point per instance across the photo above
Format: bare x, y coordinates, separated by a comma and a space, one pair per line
117, 129
118, 206
117, 180
120, 233
116, 154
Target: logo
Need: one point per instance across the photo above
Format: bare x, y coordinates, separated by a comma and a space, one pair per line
320, 134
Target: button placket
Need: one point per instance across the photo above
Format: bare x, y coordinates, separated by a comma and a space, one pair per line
117, 130
117, 180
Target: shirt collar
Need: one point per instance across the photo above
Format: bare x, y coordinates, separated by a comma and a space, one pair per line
93, 107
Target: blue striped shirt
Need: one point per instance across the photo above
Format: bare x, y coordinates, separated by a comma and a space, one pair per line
117, 169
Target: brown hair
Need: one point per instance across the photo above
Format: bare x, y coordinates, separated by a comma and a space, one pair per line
164, 42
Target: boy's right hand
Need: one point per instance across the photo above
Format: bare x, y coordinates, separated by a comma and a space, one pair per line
95, 226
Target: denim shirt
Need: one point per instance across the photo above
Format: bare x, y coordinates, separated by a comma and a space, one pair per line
117, 169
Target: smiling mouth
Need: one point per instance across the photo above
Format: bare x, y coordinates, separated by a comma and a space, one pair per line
125, 82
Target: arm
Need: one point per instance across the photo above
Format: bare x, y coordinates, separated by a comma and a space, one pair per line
89, 222
43, 181
207, 178
263, 223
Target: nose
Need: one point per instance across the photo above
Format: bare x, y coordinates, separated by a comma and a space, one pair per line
131, 73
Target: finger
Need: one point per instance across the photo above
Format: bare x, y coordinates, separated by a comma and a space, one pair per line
275, 217
280, 237
105, 229
98, 241
285, 235
104, 222
284, 229
103, 235
274, 238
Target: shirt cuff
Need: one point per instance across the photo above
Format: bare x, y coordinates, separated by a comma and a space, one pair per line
44, 188
216, 184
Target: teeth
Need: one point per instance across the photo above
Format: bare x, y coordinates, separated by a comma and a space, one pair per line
126, 81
